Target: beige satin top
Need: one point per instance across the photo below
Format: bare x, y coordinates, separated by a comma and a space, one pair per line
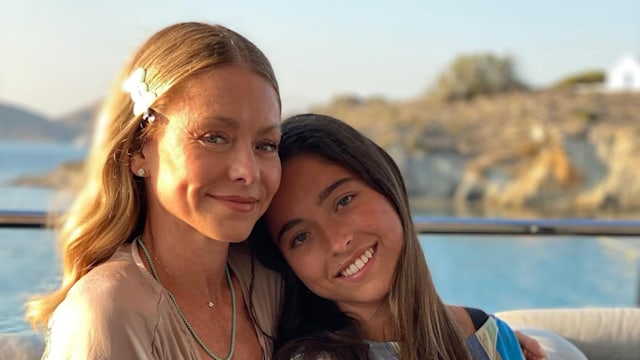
119, 311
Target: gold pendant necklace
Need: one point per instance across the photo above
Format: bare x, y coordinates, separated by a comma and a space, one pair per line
232, 346
210, 303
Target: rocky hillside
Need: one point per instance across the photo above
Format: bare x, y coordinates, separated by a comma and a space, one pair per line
562, 151
559, 151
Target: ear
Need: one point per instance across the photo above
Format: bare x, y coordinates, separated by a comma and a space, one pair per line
137, 161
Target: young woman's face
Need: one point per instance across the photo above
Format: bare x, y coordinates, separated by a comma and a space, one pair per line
214, 165
342, 238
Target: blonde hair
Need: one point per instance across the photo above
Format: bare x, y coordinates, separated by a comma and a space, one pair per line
109, 209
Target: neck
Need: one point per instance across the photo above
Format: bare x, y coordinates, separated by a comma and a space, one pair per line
180, 246
188, 263
375, 323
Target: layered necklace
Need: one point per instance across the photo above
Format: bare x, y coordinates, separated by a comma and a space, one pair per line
184, 319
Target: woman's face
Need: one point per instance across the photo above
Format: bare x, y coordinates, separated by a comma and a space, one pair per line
214, 166
342, 238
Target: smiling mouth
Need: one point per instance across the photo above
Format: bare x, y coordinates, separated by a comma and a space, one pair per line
238, 203
360, 262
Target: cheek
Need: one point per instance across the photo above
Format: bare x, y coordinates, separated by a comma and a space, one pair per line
271, 174
392, 231
169, 160
397, 235
395, 223
305, 267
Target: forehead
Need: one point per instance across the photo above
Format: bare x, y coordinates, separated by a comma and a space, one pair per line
232, 87
309, 166
303, 178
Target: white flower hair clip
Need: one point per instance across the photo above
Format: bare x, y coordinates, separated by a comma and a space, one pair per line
140, 95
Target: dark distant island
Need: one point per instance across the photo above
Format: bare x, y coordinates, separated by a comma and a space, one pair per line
19, 124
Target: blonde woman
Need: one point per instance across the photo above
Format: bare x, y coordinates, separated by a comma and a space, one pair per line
183, 162
357, 283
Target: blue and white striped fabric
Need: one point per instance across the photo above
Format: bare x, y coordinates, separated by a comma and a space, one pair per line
494, 340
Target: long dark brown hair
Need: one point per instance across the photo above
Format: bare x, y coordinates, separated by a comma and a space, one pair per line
312, 326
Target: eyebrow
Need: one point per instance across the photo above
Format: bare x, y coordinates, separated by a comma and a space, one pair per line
321, 198
286, 227
329, 189
235, 124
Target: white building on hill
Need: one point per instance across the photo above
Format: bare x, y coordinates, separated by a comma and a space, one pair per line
624, 75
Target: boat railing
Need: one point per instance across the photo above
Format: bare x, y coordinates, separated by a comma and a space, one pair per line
433, 225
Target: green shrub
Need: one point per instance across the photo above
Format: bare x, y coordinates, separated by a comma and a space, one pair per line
587, 77
476, 74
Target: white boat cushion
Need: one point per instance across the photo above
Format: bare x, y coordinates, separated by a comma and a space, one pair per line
600, 333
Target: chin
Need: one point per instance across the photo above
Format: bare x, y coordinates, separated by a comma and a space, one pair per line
233, 237
230, 231
238, 240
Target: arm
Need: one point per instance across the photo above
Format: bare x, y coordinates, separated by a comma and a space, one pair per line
530, 347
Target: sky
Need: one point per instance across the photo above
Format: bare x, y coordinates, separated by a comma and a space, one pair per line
57, 57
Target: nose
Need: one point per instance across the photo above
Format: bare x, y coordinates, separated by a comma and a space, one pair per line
338, 238
244, 166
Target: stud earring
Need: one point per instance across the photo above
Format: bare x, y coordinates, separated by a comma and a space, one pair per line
141, 172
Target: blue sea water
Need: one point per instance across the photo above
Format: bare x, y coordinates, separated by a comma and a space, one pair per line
491, 272
505, 272
23, 158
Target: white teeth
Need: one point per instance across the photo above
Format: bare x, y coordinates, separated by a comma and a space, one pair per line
358, 264
353, 269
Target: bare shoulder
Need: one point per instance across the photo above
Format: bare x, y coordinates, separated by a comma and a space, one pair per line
462, 319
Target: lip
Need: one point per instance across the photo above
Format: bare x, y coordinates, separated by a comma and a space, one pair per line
356, 255
238, 203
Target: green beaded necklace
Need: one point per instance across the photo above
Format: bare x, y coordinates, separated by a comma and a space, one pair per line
184, 319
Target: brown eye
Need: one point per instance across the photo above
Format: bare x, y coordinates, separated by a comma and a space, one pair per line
344, 201
299, 239
268, 146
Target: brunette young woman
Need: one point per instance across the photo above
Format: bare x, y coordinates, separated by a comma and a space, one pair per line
340, 232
